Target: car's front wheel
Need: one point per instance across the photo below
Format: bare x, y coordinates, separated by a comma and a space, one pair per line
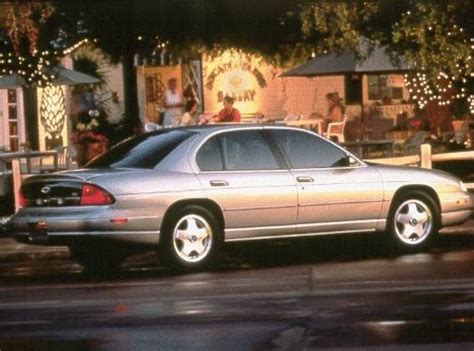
413, 221
191, 239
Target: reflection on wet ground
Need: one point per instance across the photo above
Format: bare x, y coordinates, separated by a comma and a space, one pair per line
325, 293
57, 265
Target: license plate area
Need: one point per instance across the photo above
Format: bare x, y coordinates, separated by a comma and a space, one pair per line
38, 232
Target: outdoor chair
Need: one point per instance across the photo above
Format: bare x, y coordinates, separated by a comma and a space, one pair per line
65, 159
292, 118
413, 143
335, 131
151, 127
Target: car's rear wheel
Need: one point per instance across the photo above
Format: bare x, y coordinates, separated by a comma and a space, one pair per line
413, 221
98, 258
191, 239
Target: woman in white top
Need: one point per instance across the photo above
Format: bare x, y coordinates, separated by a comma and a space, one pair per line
173, 104
188, 117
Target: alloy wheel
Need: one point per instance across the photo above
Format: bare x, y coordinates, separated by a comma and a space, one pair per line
413, 222
192, 238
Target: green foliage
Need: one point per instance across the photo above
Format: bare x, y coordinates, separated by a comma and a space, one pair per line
336, 26
432, 40
87, 65
434, 36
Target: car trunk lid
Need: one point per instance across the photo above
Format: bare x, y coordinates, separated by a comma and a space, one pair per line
60, 189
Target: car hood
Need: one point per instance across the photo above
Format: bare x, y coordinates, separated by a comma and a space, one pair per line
415, 175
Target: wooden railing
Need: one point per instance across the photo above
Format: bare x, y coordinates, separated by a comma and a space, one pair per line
425, 159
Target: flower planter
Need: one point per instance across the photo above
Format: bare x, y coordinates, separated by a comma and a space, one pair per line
86, 151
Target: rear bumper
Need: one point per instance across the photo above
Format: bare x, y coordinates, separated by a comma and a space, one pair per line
62, 238
60, 226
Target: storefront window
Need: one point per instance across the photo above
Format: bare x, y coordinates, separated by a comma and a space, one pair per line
353, 84
380, 90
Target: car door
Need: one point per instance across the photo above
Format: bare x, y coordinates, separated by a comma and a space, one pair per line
240, 172
333, 194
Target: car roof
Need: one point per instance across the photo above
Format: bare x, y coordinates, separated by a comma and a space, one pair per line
227, 126
204, 130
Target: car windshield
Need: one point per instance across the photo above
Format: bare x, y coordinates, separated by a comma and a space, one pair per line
145, 151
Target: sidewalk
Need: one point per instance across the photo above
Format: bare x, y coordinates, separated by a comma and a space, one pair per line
11, 251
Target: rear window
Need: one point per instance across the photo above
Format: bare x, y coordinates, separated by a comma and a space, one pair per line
145, 151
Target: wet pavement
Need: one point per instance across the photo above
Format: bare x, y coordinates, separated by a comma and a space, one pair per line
337, 293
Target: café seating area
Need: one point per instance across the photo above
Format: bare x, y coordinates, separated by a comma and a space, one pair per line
376, 136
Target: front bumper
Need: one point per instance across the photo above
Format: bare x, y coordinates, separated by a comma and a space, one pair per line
456, 208
59, 226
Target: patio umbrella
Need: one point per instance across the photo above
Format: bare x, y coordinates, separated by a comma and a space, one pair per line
66, 76
11, 81
63, 76
376, 61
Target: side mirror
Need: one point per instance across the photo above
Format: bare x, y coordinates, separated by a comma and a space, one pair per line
352, 162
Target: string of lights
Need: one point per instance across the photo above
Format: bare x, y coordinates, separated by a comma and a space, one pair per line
447, 79
37, 67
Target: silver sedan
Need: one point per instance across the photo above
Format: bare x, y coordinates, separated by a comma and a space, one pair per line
187, 191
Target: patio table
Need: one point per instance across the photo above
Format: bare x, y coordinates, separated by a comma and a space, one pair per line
312, 123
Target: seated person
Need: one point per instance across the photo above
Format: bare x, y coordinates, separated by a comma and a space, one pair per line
188, 118
335, 110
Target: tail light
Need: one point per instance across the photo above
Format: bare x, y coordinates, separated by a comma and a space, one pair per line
93, 195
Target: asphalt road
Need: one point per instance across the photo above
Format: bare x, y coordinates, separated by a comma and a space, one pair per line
326, 293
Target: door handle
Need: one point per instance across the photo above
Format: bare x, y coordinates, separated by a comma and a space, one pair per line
304, 179
219, 183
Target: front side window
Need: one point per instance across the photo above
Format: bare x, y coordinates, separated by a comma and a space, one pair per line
145, 151
305, 150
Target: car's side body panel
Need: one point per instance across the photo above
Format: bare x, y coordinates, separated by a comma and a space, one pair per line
254, 203
339, 199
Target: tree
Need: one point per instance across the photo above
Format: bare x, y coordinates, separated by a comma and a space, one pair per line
22, 41
435, 37
184, 28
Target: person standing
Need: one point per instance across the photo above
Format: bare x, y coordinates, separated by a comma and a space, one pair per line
173, 104
229, 113
190, 110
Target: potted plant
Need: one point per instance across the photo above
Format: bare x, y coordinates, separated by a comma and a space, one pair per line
89, 135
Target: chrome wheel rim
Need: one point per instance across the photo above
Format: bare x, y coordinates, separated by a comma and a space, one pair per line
192, 238
413, 222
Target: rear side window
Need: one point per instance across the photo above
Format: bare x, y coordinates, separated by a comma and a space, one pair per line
305, 150
237, 151
247, 151
209, 157
145, 151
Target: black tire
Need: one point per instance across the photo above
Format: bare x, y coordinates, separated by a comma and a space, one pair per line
98, 258
172, 250
406, 228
